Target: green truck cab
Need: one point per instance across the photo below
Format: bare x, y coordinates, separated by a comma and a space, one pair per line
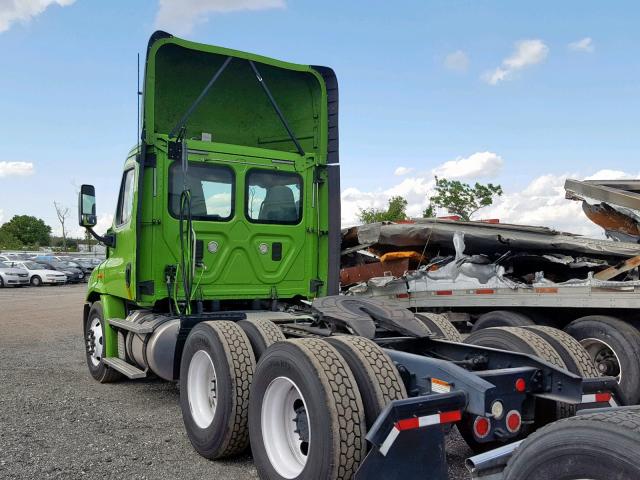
254, 142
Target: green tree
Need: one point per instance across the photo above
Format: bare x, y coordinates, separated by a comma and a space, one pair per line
460, 198
396, 211
27, 230
8, 241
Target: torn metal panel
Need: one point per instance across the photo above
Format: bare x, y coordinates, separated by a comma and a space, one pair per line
435, 236
361, 273
625, 193
612, 220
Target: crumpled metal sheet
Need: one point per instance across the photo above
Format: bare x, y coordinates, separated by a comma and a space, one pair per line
485, 237
612, 220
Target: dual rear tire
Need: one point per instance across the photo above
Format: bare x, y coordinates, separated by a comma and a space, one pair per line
306, 406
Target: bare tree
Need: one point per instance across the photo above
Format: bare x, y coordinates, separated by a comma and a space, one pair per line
63, 213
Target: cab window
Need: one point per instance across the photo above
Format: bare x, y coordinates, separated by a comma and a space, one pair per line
211, 187
273, 197
125, 199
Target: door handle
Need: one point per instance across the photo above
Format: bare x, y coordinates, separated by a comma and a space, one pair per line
127, 275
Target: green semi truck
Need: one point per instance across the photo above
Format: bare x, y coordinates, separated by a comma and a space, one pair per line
222, 274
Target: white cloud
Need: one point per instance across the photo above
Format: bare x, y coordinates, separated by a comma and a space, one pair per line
527, 53
402, 171
542, 202
607, 174
1, 216
480, 164
22, 169
180, 16
457, 61
418, 188
12, 11
582, 45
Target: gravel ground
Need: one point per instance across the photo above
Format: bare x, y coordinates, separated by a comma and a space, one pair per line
57, 422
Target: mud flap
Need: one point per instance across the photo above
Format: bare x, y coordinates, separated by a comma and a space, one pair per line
407, 440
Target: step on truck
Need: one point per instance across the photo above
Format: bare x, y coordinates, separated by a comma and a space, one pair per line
222, 275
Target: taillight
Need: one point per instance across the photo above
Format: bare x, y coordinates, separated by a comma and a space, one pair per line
514, 421
520, 385
481, 427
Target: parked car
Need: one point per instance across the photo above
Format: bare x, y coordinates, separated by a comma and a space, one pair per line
85, 262
40, 274
78, 265
9, 275
74, 275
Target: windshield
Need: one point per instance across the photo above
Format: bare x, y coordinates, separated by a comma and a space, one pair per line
3, 265
34, 266
60, 265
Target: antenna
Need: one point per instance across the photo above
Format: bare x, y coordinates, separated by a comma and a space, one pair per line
138, 99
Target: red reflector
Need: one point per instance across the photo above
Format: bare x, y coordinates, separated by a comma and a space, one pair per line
481, 427
485, 291
408, 424
603, 397
402, 295
513, 421
451, 417
521, 385
444, 292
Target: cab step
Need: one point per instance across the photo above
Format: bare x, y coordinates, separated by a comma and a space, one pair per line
134, 327
125, 368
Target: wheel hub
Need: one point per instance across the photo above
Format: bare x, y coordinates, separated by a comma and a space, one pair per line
202, 389
286, 430
95, 344
604, 357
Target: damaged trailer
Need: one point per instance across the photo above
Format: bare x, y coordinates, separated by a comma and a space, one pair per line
500, 275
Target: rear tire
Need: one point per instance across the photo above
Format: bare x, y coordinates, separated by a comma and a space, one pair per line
440, 326
94, 346
36, 281
516, 340
573, 354
501, 318
216, 371
376, 375
614, 345
598, 446
262, 334
308, 380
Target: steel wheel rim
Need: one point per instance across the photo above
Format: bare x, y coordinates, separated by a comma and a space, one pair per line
283, 406
95, 342
599, 351
202, 389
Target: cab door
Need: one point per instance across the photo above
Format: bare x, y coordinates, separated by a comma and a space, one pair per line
119, 268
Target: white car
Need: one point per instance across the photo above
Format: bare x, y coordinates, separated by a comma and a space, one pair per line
39, 274
12, 276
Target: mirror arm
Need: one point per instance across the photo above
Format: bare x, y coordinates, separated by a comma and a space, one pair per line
109, 240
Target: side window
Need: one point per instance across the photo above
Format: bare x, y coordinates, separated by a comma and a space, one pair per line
211, 187
125, 200
273, 197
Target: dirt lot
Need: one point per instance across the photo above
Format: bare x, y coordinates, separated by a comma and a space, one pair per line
57, 422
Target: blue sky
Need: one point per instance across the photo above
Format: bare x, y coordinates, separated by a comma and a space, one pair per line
415, 93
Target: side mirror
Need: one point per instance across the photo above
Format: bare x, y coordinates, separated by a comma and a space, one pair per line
87, 206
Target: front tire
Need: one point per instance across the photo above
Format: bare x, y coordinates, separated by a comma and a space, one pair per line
216, 371
306, 418
598, 446
95, 347
36, 281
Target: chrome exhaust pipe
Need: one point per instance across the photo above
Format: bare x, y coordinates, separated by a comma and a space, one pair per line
489, 465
